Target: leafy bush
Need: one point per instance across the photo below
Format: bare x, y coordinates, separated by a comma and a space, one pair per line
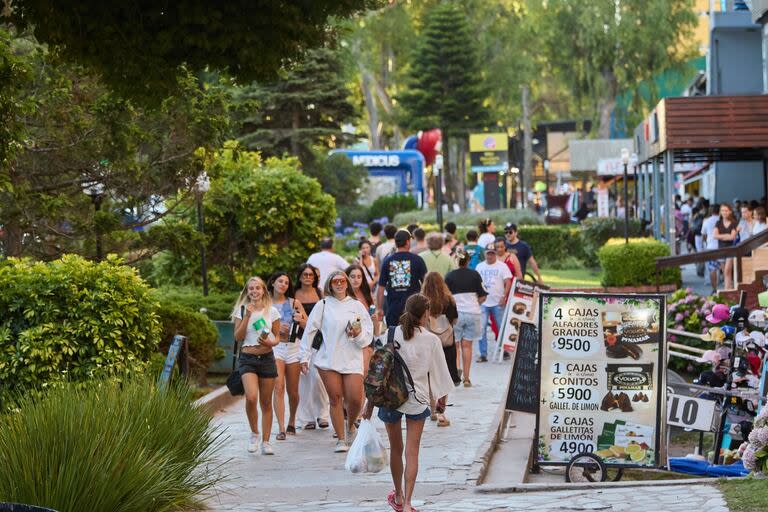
596, 231
468, 219
120, 445
687, 311
634, 264
72, 319
351, 214
218, 306
202, 336
550, 244
390, 206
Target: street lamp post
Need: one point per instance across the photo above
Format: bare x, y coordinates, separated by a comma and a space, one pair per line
202, 185
546, 176
437, 167
95, 190
635, 175
515, 171
625, 161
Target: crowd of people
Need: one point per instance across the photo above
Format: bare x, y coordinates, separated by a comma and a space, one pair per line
311, 334
704, 226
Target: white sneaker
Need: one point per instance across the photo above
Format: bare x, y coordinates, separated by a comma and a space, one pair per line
351, 435
266, 449
341, 447
253, 443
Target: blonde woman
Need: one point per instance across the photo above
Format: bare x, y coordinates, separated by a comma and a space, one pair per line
257, 326
347, 329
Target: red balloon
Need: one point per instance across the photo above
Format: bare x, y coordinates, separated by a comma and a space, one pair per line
428, 144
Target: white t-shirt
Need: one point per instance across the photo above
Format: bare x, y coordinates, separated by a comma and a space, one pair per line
485, 239
685, 211
326, 262
384, 250
708, 229
758, 227
256, 323
423, 355
493, 280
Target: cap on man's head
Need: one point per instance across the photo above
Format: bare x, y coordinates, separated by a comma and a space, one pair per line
402, 237
491, 247
510, 226
326, 243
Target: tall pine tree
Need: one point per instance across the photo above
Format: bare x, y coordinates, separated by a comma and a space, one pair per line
303, 110
445, 85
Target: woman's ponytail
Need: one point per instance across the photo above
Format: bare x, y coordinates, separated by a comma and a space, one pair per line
415, 308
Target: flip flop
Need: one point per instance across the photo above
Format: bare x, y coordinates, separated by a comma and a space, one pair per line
397, 507
310, 426
291, 430
280, 436
322, 424
442, 421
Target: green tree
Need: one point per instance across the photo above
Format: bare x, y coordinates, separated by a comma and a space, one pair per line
75, 132
14, 73
603, 47
138, 46
339, 177
261, 215
304, 109
445, 85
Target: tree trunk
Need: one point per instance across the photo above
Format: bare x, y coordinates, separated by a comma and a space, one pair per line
462, 175
295, 118
370, 106
451, 173
527, 170
607, 104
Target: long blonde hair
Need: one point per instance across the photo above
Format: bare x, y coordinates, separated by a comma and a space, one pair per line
266, 299
435, 289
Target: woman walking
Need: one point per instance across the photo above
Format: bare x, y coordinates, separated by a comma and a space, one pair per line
313, 409
367, 263
362, 292
287, 351
487, 230
725, 233
441, 303
423, 354
466, 285
347, 328
257, 325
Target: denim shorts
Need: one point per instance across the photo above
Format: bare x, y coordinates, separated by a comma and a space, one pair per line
469, 326
263, 366
390, 416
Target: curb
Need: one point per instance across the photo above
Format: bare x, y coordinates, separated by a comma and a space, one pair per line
546, 487
484, 453
216, 400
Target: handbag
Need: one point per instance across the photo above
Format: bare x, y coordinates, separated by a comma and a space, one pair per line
442, 328
235, 381
317, 341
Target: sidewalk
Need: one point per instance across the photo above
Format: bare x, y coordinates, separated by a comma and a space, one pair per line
305, 474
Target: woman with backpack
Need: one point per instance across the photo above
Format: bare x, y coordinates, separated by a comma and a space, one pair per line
257, 326
442, 317
422, 354
347, 329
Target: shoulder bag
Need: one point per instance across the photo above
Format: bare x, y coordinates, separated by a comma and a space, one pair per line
234, 381
317, 341
442, 328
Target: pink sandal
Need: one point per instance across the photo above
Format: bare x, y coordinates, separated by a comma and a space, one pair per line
397, 507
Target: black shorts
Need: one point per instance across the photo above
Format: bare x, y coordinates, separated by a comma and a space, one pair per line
263, 365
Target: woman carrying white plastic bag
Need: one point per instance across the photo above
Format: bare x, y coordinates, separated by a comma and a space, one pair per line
367, 454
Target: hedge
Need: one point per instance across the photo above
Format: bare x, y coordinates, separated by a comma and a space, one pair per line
72, 320
202, 336
469, 220
596, 231
217, 306
634, 264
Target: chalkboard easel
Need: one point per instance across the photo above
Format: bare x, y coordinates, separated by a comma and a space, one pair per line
523, 391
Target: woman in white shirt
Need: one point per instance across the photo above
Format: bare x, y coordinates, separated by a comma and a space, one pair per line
423, 354
347, 329
257, 325
758, 220
487, 230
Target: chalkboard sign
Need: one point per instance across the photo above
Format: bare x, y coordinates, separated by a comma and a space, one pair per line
523, 394
178, 347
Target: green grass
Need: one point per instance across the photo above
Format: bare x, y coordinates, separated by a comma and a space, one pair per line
574, 278
747, 495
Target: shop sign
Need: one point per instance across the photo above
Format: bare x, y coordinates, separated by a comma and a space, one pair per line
522, 306
601, 378
488, 152
691, 413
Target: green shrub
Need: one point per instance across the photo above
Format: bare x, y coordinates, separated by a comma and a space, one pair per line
352, 214
596, 231
119, 445
634, 264
72, 319
550, 244
218, 306
467, 219
390, 206
202, 336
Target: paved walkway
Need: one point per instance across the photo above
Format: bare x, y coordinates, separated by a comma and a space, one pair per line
305, 474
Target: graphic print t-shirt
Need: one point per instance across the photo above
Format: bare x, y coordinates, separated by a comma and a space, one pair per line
493, 281
401, 274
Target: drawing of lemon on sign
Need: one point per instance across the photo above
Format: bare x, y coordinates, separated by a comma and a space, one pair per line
635, 452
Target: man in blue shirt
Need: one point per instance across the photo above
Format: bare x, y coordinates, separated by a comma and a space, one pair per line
522, 250
401, 275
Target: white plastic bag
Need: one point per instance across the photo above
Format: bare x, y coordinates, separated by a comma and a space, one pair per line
367, 454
